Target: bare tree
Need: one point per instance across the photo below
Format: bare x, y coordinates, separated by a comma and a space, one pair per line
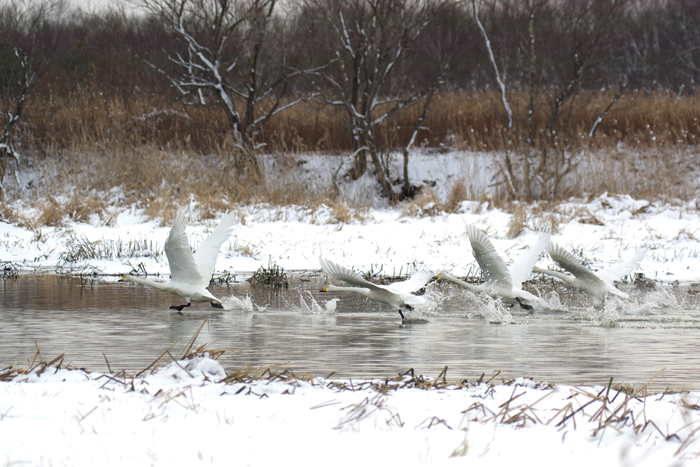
578, 58
368, 40
226, 59
20, 63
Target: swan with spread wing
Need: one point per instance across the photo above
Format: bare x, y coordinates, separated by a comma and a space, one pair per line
398, 295
190, 272
597, 284
499, 279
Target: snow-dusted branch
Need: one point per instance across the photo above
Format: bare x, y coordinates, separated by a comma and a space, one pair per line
223, 43
603, 114
501, 84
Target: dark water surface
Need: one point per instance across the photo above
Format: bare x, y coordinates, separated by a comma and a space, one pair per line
129, 326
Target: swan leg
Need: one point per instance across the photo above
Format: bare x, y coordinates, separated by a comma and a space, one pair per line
216, 304
179, 307
401, 313
524, 306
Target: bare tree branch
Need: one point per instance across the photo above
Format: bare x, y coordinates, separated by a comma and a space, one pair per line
499, 81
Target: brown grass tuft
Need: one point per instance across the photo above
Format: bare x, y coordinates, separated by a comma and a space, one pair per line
458, 193
341, 213
51, 212
548, 222
81, 207
518, 222
426, 204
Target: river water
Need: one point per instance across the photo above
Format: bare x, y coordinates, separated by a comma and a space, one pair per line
101, 324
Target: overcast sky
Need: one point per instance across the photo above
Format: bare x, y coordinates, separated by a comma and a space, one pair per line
97, 5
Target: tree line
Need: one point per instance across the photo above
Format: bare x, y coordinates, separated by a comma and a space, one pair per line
252, 60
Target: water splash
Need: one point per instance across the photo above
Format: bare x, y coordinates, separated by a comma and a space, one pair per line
233, 303
493, 310
657, 299
551, 302
609, 313
315, 308
433, 304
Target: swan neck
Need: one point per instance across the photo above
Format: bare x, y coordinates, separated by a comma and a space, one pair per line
560, 275
459, 282
340, 288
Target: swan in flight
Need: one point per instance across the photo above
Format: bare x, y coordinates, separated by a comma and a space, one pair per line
398, 294
499, 279
190, 273
596, 284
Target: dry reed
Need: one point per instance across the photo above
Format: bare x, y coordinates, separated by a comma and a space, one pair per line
98, 152
466, 120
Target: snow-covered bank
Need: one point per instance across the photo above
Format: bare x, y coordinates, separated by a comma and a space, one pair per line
181, 415
603, 231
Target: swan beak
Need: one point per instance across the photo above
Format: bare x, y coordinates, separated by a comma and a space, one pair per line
325, 289
123, 279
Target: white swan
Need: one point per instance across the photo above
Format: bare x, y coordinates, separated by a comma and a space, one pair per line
596, 284
398, 294
499, 279
190, 273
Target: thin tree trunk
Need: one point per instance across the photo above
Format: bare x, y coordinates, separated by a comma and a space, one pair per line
359, 165
381, 177
407, 191
527, 172
499, 81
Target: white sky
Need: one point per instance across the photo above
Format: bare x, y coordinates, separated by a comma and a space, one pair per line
97, 5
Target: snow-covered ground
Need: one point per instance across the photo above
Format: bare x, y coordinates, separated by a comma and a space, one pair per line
603, 231
181, 415
187, 416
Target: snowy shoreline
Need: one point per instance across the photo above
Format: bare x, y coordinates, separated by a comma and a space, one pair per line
181, 414
603, 231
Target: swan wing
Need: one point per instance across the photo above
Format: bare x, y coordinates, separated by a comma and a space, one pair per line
569, 262
208, 250
522, 267
415, 299
496, 273
183, 268
617, 271
417, 280
341, 273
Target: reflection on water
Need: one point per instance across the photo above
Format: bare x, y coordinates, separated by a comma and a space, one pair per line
130, 326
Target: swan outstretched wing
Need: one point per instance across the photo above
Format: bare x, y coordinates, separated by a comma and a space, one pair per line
177, 248
522, 267
417, 280
567, 261
208, 250
341, 273
617, 271
496, 273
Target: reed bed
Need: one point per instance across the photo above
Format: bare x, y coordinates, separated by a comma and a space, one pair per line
463, 120
96, 152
